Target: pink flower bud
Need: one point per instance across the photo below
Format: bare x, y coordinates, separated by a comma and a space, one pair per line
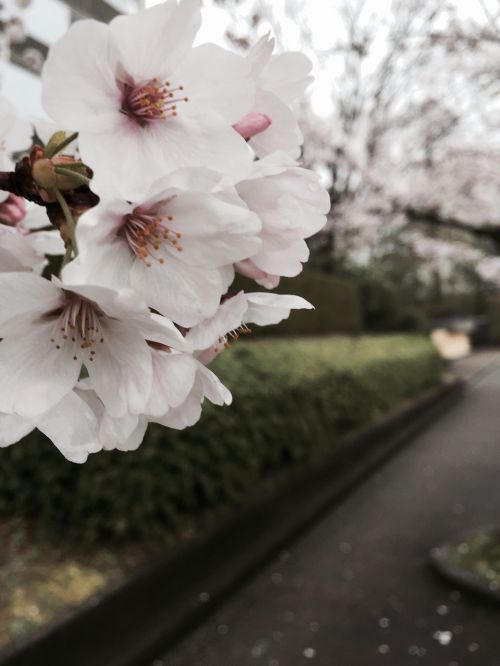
12, 210
251, 124
250, 270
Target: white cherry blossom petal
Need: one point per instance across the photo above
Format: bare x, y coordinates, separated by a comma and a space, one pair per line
209, 74
13, 428
228, 317
96, 107
164, 34
190, 296
35, 374
282, 134
288, 75
121, 372
265, 309
173, 378
71, 425
25, 295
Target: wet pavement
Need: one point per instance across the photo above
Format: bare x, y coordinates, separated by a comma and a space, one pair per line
357, 589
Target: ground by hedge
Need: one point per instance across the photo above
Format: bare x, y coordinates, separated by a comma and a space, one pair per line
293, 399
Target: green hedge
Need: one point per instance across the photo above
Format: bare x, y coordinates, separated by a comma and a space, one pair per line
292, 400
487, 331
337, 303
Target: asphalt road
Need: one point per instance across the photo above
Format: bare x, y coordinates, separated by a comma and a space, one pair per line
357, 589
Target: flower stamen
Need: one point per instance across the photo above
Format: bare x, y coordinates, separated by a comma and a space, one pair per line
78, 325
146, 233
151, 100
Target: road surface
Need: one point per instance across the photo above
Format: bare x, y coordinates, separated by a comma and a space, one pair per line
357, 589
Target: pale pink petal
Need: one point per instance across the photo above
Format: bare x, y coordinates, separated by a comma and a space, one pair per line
250, 270
35, 374
184, 416
17, 253
159, 329
283, 134
213, 388
216, 79
228, 317
173, 378
13, 428
185, 294
259, 55
153, 43
26, 295
202, 139
72, 426
116, 304
286, 263
128, 177
79, 62
121, 372
265, 309
214, 232
46, 242
287, 76
125, 433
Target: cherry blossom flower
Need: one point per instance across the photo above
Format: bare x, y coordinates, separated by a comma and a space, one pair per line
175, 247
71, 425
292, 205
123, 336
51, 329
280, 80
233, 316
137, 88
179, 387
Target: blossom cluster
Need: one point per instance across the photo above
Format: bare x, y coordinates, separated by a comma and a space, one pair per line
168, 169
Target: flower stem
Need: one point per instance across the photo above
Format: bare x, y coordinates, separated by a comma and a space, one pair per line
67, 255
70, 221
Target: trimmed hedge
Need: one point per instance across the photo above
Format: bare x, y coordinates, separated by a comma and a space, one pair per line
292, 401
337, 303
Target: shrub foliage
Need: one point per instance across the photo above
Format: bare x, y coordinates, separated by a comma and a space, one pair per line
293, 399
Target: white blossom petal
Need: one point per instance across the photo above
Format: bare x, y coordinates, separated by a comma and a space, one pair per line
13, 428
72, 426
35, 374
71, 66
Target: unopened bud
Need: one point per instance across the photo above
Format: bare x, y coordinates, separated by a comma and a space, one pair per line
61, 172
44, 174
252, 124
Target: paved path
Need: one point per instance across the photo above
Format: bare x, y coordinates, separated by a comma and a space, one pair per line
357, 589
